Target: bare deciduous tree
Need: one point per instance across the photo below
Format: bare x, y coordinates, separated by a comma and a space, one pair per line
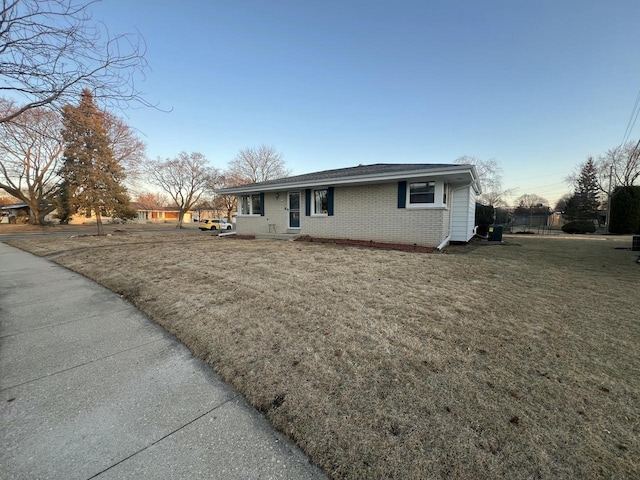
490, 176
153, 200
128, 150
258, 164
228, 203
531, 200
622, 164
50, 51
184, 178
30, 150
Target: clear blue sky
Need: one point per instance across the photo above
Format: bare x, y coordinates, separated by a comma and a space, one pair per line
537, 85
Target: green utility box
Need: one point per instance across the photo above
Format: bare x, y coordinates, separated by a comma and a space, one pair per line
495, 233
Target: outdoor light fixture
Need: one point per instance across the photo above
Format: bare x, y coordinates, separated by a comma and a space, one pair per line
277, 195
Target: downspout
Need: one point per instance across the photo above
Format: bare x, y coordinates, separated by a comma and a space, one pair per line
445, 242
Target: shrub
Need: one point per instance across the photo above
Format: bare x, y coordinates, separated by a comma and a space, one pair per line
625, 210
485, 216
579, 226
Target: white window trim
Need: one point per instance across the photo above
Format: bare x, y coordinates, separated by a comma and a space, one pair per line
313, 202
437, 195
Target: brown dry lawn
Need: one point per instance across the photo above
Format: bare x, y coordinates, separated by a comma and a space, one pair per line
512, 361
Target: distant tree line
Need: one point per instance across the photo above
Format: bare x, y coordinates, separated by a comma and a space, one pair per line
607, 183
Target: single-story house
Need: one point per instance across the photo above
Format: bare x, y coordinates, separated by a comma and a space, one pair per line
153, 214
414, 204
145, 214
10, 213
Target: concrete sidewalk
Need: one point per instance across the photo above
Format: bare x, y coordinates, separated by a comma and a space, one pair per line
91, 388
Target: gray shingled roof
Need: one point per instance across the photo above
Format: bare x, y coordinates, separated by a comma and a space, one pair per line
360, 170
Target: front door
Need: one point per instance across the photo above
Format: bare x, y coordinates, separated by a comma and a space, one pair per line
294, 209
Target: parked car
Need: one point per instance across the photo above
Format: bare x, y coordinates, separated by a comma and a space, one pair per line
209, 225
224, 225
215, 224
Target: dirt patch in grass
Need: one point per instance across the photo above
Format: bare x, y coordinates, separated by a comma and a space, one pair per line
504, 362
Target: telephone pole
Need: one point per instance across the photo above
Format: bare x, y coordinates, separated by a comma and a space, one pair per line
606, 229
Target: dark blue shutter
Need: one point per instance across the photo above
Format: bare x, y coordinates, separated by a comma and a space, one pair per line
262, 203
402, 194
307, 202
330, 201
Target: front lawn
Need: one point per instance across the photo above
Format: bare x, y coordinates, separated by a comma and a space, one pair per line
509, 361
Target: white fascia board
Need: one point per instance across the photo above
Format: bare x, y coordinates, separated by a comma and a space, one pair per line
475, 183
355, 180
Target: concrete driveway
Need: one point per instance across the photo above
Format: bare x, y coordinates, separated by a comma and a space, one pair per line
91, 388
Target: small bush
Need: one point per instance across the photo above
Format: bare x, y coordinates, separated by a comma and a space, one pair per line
485, 215
579, 226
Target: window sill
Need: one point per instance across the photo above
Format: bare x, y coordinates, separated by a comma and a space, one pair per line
427, 206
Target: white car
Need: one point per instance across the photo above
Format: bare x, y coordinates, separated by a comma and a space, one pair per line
224, 225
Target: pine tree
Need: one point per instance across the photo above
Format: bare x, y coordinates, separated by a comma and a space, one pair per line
90, 173
583, 205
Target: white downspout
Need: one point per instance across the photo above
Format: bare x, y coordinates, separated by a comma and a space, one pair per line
445, 242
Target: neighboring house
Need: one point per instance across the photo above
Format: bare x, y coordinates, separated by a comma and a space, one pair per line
146, 214
415, 204
151, 214
18, 213
11, 213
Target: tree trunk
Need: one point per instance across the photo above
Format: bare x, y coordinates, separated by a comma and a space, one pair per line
99, 223
180, 219
35, 215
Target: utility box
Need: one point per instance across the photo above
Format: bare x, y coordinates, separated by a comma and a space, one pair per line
495, 233
635, 243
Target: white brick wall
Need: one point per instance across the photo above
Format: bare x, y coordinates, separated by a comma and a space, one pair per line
367, 212
370, 212
276, 214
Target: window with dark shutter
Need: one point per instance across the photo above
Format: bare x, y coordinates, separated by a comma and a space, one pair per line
330, 201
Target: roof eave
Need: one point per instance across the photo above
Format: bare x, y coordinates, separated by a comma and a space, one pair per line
353, 180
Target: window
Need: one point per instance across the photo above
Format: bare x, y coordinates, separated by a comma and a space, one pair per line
320, 202
251, 204
256, 204
422, 193
245, 205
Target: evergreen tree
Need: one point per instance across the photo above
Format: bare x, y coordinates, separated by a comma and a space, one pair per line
91, 175
64, 209
583, 205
